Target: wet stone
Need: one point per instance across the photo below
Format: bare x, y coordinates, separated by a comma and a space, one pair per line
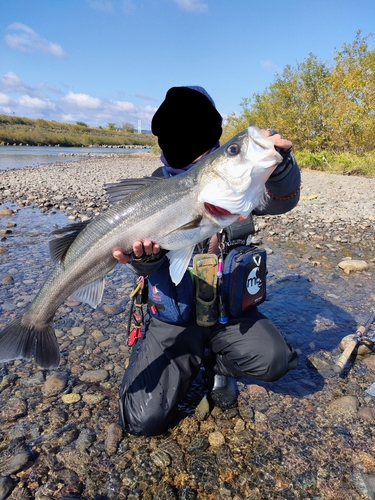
92, 399
345, 406
85, 439
113, 438
76, 331
94, 376
13, 409
16, 463
71, 398
5, 212
204, 469
57, 418
198, 444
6, 487
111, 309
216, 439
160, 458
55, 384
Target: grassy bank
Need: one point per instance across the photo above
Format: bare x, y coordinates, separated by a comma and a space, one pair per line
338, 163
26, 131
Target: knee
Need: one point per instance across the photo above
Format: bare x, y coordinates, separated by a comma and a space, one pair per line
276, 362
266, 364
137, 419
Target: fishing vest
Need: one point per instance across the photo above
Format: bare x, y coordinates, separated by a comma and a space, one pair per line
244, 279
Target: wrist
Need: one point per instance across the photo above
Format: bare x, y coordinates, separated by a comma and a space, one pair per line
284, 167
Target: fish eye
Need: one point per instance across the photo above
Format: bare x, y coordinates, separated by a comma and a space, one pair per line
233, 149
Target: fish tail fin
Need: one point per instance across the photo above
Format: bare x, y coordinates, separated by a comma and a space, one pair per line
22, 341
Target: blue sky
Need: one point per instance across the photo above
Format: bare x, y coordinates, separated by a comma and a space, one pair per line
102, 61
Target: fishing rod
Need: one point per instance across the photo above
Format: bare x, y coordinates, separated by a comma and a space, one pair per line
358, 336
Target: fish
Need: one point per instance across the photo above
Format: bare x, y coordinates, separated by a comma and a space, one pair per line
177, 213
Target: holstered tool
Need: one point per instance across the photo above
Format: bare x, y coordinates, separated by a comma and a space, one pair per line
205, 280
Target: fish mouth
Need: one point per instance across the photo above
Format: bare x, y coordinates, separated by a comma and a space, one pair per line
216, 211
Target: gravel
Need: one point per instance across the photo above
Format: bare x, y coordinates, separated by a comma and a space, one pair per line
307, 436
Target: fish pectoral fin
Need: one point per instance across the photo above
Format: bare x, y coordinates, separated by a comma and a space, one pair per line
178, 262
59, 246
192, 224
117, 191
92, 293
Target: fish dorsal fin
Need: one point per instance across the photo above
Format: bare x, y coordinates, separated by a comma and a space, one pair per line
59, 246
92, 293
178, 262
117, 191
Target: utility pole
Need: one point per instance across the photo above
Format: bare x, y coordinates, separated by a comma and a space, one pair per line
139, 126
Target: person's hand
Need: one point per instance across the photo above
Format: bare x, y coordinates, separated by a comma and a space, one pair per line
140, 248
277, 139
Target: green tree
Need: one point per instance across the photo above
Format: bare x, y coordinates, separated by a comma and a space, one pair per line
128, 127
319, 106
353, 96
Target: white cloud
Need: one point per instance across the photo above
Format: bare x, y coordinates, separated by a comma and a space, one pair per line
25, 39
35, 103
81, 100
124, 105
71, 107
4, 99
192, 5
11, 83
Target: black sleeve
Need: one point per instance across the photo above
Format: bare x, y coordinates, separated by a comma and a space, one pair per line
283, 188
142, 268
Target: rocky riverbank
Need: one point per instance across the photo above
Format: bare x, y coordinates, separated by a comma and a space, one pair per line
307, 436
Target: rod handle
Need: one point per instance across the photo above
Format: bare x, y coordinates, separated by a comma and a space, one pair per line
341, 362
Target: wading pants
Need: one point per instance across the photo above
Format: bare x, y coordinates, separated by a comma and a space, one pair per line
164, 363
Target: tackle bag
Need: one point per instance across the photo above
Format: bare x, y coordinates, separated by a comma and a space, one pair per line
244, 279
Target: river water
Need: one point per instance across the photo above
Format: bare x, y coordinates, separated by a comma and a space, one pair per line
32, 156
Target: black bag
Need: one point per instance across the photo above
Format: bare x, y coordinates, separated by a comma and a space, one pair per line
244, 279
237, 233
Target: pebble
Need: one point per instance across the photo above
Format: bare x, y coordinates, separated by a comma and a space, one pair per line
70, 398
111, 309
54, 384
346, 405
76, 331
113, 438
160, 458
353, 265
94, 376
92, 399
5, 212
216, 438
13, 409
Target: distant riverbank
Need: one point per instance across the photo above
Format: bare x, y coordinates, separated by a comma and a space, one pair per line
32, 156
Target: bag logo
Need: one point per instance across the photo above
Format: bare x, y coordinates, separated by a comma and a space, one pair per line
253, 281
155, 296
